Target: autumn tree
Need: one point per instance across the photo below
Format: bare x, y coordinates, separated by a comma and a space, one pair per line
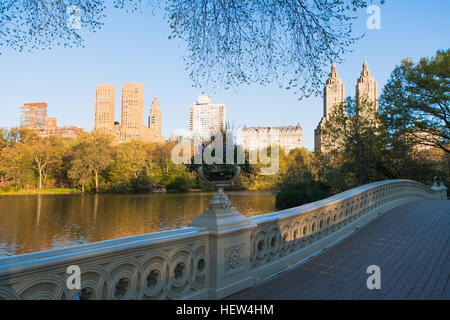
131, 167
91, 156
16, 164
46, 154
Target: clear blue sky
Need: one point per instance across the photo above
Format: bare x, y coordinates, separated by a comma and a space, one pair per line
133, 47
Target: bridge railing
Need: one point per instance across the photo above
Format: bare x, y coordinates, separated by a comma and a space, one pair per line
221, 253
162, 265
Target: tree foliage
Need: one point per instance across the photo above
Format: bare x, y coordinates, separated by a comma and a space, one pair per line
415, 101
229, 43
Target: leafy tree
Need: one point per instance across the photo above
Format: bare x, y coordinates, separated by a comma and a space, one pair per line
229, 42
160, 156
91, 157
46, 154
16, 164
130, 170
355, 145
304, 190
42, 24
415, 101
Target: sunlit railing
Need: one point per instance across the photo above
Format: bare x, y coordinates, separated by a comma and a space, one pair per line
204, 262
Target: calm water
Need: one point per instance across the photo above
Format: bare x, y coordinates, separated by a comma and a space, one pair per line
30, 223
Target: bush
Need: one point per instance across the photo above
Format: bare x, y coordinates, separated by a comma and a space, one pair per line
179, 184
299, 193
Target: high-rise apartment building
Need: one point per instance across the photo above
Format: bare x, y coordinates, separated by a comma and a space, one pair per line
367, 89
33, 115
206, 118
333, 95
333, 92
104, 107
154, 120
132, 125
132, 107
286, 137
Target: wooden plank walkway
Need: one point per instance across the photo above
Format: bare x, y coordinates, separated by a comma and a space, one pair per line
410, 244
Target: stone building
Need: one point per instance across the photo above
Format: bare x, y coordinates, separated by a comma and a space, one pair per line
333, 94
287, 137
132, 125
154, 120
367, 89
104, 107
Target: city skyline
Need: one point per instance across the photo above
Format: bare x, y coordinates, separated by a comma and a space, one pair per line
132, 126
68, 77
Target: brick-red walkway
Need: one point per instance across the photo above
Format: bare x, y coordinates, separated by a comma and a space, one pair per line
410, 244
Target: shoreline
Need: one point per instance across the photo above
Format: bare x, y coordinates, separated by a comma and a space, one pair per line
56, 191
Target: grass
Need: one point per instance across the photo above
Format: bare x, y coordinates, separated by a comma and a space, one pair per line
18, 191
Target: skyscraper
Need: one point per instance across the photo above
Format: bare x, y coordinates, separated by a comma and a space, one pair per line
104, 107
132, 125
33, 115
154, 120
333, 95
206, 118
132, 106
367, 88
132, 122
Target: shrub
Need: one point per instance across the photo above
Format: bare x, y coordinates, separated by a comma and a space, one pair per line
299, 193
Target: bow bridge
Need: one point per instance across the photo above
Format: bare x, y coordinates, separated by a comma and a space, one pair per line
319, 250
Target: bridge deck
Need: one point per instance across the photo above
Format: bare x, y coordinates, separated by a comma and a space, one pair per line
410, 244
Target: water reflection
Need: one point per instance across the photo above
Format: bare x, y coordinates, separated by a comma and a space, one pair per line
41, 222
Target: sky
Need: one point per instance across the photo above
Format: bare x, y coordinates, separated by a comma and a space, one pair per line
134, 47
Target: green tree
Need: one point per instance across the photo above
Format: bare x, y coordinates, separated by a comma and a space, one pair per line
355, 141
16, 164
91, 156
47, 154
131, 168
415, 101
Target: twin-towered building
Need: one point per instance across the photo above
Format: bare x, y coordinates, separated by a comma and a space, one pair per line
132, 125
334, 95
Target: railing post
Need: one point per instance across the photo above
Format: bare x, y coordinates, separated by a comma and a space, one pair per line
229, 246
441, 188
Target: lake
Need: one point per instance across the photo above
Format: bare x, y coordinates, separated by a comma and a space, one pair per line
31, 223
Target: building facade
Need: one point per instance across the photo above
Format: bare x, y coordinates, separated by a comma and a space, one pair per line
33, 115
333, 95
154, 120
104, 107
287, 137
367, 90
132, 125
206, 118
